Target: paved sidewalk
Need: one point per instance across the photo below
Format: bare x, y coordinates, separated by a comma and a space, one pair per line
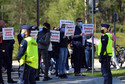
71, 79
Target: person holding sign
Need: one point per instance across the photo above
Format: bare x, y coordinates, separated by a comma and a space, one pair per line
4, 56
78, 48
63, 53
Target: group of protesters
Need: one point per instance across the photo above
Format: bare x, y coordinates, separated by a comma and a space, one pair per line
80, 51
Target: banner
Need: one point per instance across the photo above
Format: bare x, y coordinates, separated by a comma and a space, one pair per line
96, 41
34, 34
69, 29
8, 33
55, 36
88, 28
66, 22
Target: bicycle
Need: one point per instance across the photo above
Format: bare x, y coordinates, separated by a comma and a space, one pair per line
120, 55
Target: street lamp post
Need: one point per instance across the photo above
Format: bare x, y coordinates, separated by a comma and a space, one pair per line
37, 13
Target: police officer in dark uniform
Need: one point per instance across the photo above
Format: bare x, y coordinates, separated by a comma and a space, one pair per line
105, 51
4, 56
27, 56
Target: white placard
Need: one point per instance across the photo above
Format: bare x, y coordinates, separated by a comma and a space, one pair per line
88, 28
55, 36
66, 22
96, 41
8, 33
69, 29
34, 34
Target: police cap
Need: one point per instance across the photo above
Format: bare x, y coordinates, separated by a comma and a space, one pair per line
105, 25
29, 27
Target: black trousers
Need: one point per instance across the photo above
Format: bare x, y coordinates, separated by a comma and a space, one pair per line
78, 58
28, 75
105, 69
4, 57
46, 60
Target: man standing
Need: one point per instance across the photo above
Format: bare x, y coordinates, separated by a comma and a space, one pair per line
27, 56
4, 56
105, 51
78, 49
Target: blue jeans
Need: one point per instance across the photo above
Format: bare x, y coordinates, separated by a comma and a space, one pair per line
88, 54
62, 60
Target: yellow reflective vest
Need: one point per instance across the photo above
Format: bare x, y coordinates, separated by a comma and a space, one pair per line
31, 53
109, 48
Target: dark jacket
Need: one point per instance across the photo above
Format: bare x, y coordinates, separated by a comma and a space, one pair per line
77, 39
43, 40
64, 41
55, 47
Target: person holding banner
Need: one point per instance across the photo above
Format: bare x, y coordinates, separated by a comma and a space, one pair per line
63, 53
4, 56
78, 48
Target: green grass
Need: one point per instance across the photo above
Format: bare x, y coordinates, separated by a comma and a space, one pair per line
115, 73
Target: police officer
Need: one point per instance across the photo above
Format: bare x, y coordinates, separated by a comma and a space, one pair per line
4, 56
27, 57
105, 51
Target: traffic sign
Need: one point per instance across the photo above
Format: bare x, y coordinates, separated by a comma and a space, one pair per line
96, 2
95, 11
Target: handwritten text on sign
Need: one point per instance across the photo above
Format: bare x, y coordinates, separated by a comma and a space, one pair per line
69, 30
88, 28
66, 22
8, 33
55, 36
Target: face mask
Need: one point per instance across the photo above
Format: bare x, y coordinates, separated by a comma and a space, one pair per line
80, 24
22, 35
44, 29
102, 31
63, 29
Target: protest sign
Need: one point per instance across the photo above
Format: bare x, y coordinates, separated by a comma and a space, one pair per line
55, 36
96, 41
34, 34
8, 33
88, 28
69, 29
66, 22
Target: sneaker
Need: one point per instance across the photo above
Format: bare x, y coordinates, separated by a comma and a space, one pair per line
37, 79
118, 67
60, 76
12, 81
47, 78
64, 76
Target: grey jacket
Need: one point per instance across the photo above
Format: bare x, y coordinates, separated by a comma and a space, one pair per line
43, 40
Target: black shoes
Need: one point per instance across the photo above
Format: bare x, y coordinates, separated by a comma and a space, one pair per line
79, 74
47, 78
62, 76
12, 81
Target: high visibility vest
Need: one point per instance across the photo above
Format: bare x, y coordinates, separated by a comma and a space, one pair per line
31, 53
109, 48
